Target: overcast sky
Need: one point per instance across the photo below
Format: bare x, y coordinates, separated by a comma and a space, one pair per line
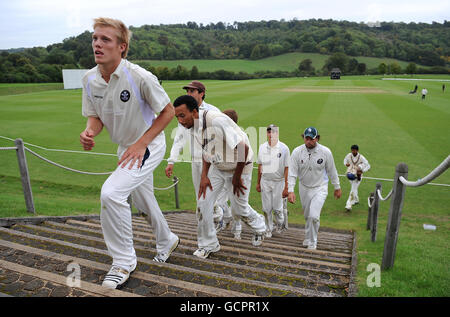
29, 23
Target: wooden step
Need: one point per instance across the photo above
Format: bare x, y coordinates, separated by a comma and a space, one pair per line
280, 267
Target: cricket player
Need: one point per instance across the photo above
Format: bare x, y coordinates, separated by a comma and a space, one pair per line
273, 166
227, 161
124, 98
313, 164
356, 164
197, 90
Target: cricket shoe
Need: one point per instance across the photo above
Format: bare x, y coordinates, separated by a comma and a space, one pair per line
257, 239
162, 257
203, 253
117, 276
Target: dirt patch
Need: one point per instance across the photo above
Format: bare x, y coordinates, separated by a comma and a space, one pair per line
357, 90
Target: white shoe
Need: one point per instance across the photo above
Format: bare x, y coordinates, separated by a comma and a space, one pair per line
268, 234
162, 257
203, 253
305, 243
257, 239
237, 235
312, 247
117, 276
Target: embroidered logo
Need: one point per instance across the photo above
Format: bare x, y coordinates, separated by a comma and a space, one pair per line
125, 95
279, 155
319, 161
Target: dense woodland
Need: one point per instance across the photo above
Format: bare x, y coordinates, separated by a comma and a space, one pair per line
417, 43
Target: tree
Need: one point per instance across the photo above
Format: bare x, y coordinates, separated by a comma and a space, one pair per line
382, 68
361, 68
305, 67
395, 68
337, 60
411, 68
194, 72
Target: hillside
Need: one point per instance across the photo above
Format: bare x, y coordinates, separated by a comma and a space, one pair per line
285, 62
419, 43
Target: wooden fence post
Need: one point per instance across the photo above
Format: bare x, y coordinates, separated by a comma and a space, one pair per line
24, 175
374, 212
177, 203
395, 214
369, 215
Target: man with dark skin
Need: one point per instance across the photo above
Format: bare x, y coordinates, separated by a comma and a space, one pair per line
227, 161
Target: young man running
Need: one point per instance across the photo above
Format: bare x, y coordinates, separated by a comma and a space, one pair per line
124, 98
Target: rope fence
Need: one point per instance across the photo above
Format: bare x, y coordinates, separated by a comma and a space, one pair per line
397, 194
25, 178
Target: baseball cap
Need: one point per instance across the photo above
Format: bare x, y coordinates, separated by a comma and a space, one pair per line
195, 85
311, 132
272, 126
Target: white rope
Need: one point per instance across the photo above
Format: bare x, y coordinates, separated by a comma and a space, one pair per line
435, 173
62, 166
402, 179
87, 173
368, 202
387, 197
59, 150
168, 187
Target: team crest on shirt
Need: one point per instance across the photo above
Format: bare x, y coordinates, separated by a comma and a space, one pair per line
125, 95
279, 155
319, 161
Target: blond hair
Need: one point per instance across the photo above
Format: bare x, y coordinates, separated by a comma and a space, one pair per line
122, 32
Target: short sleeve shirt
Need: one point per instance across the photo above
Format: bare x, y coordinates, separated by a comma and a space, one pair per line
127, 105
273, 160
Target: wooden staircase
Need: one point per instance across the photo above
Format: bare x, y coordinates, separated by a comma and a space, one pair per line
40, 255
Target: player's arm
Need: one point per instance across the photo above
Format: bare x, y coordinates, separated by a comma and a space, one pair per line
258, 183
238, 186
93, 128
135, 153
204, 180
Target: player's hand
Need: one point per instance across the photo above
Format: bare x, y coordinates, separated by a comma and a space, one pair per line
291, 197
258, 188
169, 170
134, 154
204, 184
87, 139
285, 192
337, 193
238, 186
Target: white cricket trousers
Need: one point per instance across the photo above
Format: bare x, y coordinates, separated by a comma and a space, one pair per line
312, 200
353, 196
206, 233
272, 200
115, 213
221, 201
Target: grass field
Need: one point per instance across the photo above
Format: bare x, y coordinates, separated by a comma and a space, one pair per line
285, 62
388, 124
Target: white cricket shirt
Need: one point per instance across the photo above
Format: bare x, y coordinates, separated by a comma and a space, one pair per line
273, 160
356, 161
127, 105
313, 167
184, 136
221, 137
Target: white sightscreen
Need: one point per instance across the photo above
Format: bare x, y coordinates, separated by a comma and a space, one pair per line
72, 78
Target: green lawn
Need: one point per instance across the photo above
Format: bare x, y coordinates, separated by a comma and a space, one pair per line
390, 126
286, 62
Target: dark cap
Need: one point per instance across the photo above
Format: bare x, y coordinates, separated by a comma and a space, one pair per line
311, 132
272, 127
196, 85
